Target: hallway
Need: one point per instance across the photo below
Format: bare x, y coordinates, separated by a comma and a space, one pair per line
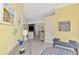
48, 21
37, 46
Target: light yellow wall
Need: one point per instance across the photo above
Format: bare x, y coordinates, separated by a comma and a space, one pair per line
7, 39
70, 13
48, 28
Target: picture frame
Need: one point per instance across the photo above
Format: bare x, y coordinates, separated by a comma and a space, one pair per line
1, 12
9, 14
64, 26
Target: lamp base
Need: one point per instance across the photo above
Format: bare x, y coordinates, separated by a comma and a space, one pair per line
21, 51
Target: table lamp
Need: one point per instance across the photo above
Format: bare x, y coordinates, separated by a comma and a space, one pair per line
25, 33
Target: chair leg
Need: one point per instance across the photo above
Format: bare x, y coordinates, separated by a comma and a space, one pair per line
76, 51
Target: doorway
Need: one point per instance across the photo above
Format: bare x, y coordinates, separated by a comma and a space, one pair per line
39, 31
31, 28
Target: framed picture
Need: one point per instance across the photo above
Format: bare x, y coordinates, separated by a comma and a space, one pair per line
64, 26
8, 13
1, 12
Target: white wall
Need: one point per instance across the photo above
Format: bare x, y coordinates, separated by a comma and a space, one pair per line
37, 29
34, 21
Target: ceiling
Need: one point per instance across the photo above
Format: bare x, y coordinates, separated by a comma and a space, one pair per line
36, 11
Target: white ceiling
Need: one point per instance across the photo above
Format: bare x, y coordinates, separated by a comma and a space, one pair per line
35, 11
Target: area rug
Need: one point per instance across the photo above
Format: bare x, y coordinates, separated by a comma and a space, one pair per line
57, 51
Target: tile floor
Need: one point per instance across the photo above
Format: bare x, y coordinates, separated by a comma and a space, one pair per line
37, 46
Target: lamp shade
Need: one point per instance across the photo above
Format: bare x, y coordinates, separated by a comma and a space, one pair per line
25, 32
